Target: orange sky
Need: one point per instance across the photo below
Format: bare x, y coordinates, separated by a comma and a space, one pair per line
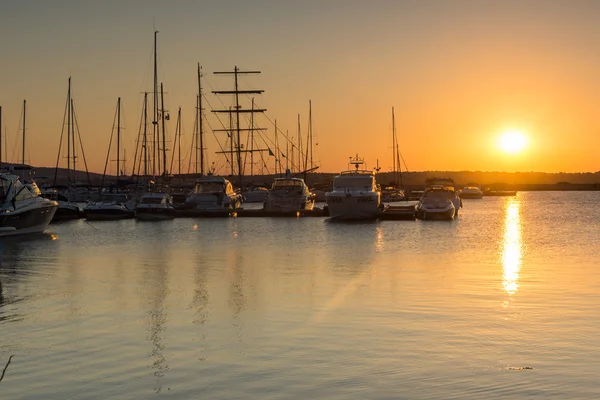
458, 73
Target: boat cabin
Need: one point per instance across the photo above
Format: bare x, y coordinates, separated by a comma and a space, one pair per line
289, 185
213, 185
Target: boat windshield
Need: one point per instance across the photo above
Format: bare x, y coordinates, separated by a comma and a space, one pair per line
437, 194
365, 182
287, 184
208, 187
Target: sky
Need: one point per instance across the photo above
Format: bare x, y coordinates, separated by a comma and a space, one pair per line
458, 74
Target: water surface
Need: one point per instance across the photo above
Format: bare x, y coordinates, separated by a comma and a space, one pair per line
276, 308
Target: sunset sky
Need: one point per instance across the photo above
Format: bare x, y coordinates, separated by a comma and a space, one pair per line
459, 73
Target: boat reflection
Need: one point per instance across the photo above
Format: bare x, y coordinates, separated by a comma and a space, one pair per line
512, 247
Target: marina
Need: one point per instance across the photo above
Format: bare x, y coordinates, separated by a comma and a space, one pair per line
299, 200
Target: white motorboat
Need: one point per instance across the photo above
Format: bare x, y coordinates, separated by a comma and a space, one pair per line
21, 210
448, 184
355, 194
112, 206
155, 207
471, 191
214, 194
436, 204
289, 195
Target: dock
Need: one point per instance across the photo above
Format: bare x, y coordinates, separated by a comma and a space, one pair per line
403, 212
398, 213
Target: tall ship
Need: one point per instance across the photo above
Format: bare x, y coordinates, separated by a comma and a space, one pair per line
355, 193
22, 210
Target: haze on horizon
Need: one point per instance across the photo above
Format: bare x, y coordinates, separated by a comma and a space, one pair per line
459, 73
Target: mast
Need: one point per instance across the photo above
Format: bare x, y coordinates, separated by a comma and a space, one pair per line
145, 138
200, 143
179, 143
252, 140
118, 140
276, 149
155, 149
310, 133
394, 147
73, 140
231, 142
299, 145
0, 137
162, 120
238, 110
24, 108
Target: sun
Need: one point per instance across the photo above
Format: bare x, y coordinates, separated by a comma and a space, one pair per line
512, 141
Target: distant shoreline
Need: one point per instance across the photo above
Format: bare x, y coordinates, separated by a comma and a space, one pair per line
519, 181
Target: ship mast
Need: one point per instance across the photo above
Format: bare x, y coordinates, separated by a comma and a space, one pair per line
155, 141
24, 108
0, 137
237, 110
118, 140
200, 138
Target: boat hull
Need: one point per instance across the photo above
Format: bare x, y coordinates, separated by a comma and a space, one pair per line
436, 214
108, 214
66, 212
288, 205
154, 214
353, 207
28, 220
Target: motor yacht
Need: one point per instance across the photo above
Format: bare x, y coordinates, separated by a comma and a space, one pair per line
155, 207
112, 206
436, 204
214, 195
355, 194
448, 184
21, 210
289, 195
67, 210
471, 191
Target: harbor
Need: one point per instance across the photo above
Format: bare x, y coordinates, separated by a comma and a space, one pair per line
280, 200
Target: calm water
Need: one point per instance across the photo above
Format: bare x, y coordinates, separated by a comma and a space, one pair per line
304, 308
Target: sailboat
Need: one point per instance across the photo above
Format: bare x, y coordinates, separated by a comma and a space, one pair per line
113, 202
395, 192
154, 205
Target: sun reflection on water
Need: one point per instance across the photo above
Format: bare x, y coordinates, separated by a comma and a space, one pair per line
512, 247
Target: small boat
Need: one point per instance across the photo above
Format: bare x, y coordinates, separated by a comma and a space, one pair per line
21, 210
289, 195
391, 195
214, 195
471, 191
112, 206
67, 210
436, 204
446, 183
256, 194
155, 207
355, 194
